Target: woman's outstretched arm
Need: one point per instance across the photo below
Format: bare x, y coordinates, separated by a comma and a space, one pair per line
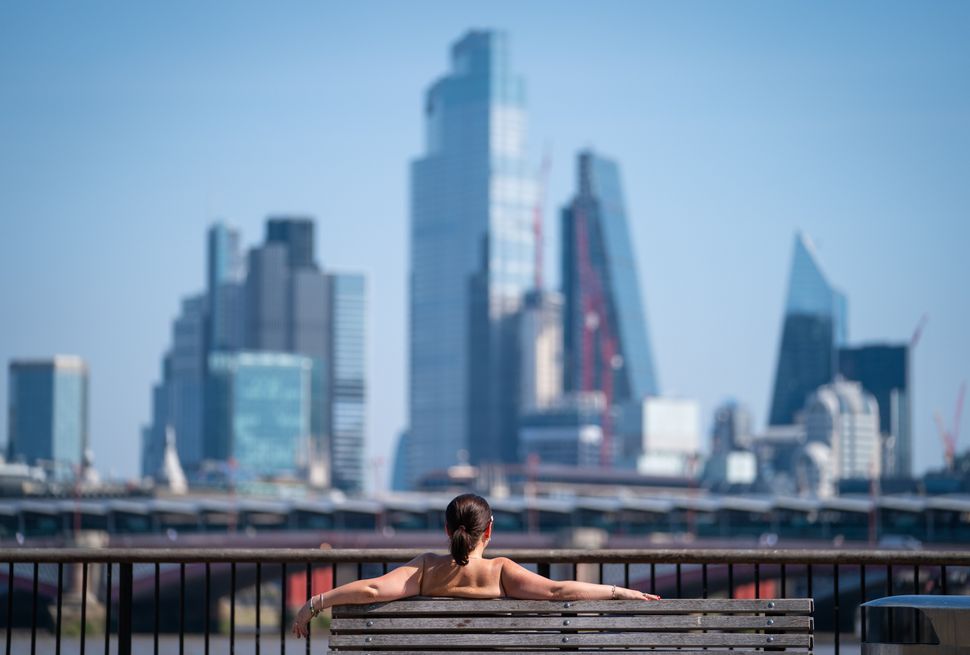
402, 582
520, 582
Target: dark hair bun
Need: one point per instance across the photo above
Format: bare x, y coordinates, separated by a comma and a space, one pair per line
467, 517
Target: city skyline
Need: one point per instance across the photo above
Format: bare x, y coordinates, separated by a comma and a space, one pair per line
855, 145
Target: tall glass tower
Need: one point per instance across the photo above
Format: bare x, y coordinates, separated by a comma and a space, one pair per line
815, 327
605, 338
48, 411
472, 243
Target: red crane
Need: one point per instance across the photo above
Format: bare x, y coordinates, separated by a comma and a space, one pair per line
597, 333
951, 437
537, 215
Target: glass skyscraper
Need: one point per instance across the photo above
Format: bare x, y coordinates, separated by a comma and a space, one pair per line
815, 327
472, 197
279, 301
259, 410
48, 410
605, 335
347, 389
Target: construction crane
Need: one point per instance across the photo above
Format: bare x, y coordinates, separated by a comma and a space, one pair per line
951, 437
597, 334
537, 216
918, 332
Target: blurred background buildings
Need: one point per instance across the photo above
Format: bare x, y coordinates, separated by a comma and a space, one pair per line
514, 387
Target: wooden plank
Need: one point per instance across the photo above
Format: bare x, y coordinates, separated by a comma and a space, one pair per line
525, 622
544, 639
470, 607
597, 651
707, 651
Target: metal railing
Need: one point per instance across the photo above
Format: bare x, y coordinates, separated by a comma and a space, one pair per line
159, 582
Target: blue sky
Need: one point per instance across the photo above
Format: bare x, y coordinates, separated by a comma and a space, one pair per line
126, 128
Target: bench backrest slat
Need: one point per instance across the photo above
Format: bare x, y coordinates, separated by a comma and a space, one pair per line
439, 625
471, 607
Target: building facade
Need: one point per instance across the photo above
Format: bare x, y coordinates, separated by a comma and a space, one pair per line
844, 417
48, 412
259, 411
540, 351
347, 390
471, 256
883, 371
568, 432
279, 302
815, 326
606, 345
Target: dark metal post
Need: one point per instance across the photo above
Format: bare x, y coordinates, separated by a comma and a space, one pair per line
33, 614
158, 606
259, 583
10, 575
107, 613
60, 601
124, 607
84, 603
836, 599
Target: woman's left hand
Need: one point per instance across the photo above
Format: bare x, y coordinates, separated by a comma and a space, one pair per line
302, 620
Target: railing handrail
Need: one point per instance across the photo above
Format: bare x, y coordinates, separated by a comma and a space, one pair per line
539, 556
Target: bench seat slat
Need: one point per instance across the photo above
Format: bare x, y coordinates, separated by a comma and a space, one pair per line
525, 622
545, 639
598, 651
472, 607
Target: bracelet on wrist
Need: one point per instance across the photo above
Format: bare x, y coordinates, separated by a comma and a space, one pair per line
613, 593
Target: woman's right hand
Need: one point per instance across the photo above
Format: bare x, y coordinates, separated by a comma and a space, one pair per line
622, 593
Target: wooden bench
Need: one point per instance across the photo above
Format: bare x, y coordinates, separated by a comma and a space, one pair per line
419, 625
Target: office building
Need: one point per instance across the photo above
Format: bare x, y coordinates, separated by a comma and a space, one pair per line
296, 234
815, 326
540, 351
845, 418
259, 411
606, 343
47, 420
471, 255
279, 302
178, 398
671, 436
568, 432
731, 429
883, 371
347, 391
225, 274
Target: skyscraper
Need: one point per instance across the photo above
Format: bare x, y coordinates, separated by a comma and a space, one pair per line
259, 410
347, 415
48, 410
472, 198
177, 399
226, 272
296, 233
280, 303
606, 343
815, 326
883, 370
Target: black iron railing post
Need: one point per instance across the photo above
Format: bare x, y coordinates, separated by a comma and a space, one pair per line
124, 607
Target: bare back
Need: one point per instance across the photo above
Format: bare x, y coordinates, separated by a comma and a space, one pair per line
480, 578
